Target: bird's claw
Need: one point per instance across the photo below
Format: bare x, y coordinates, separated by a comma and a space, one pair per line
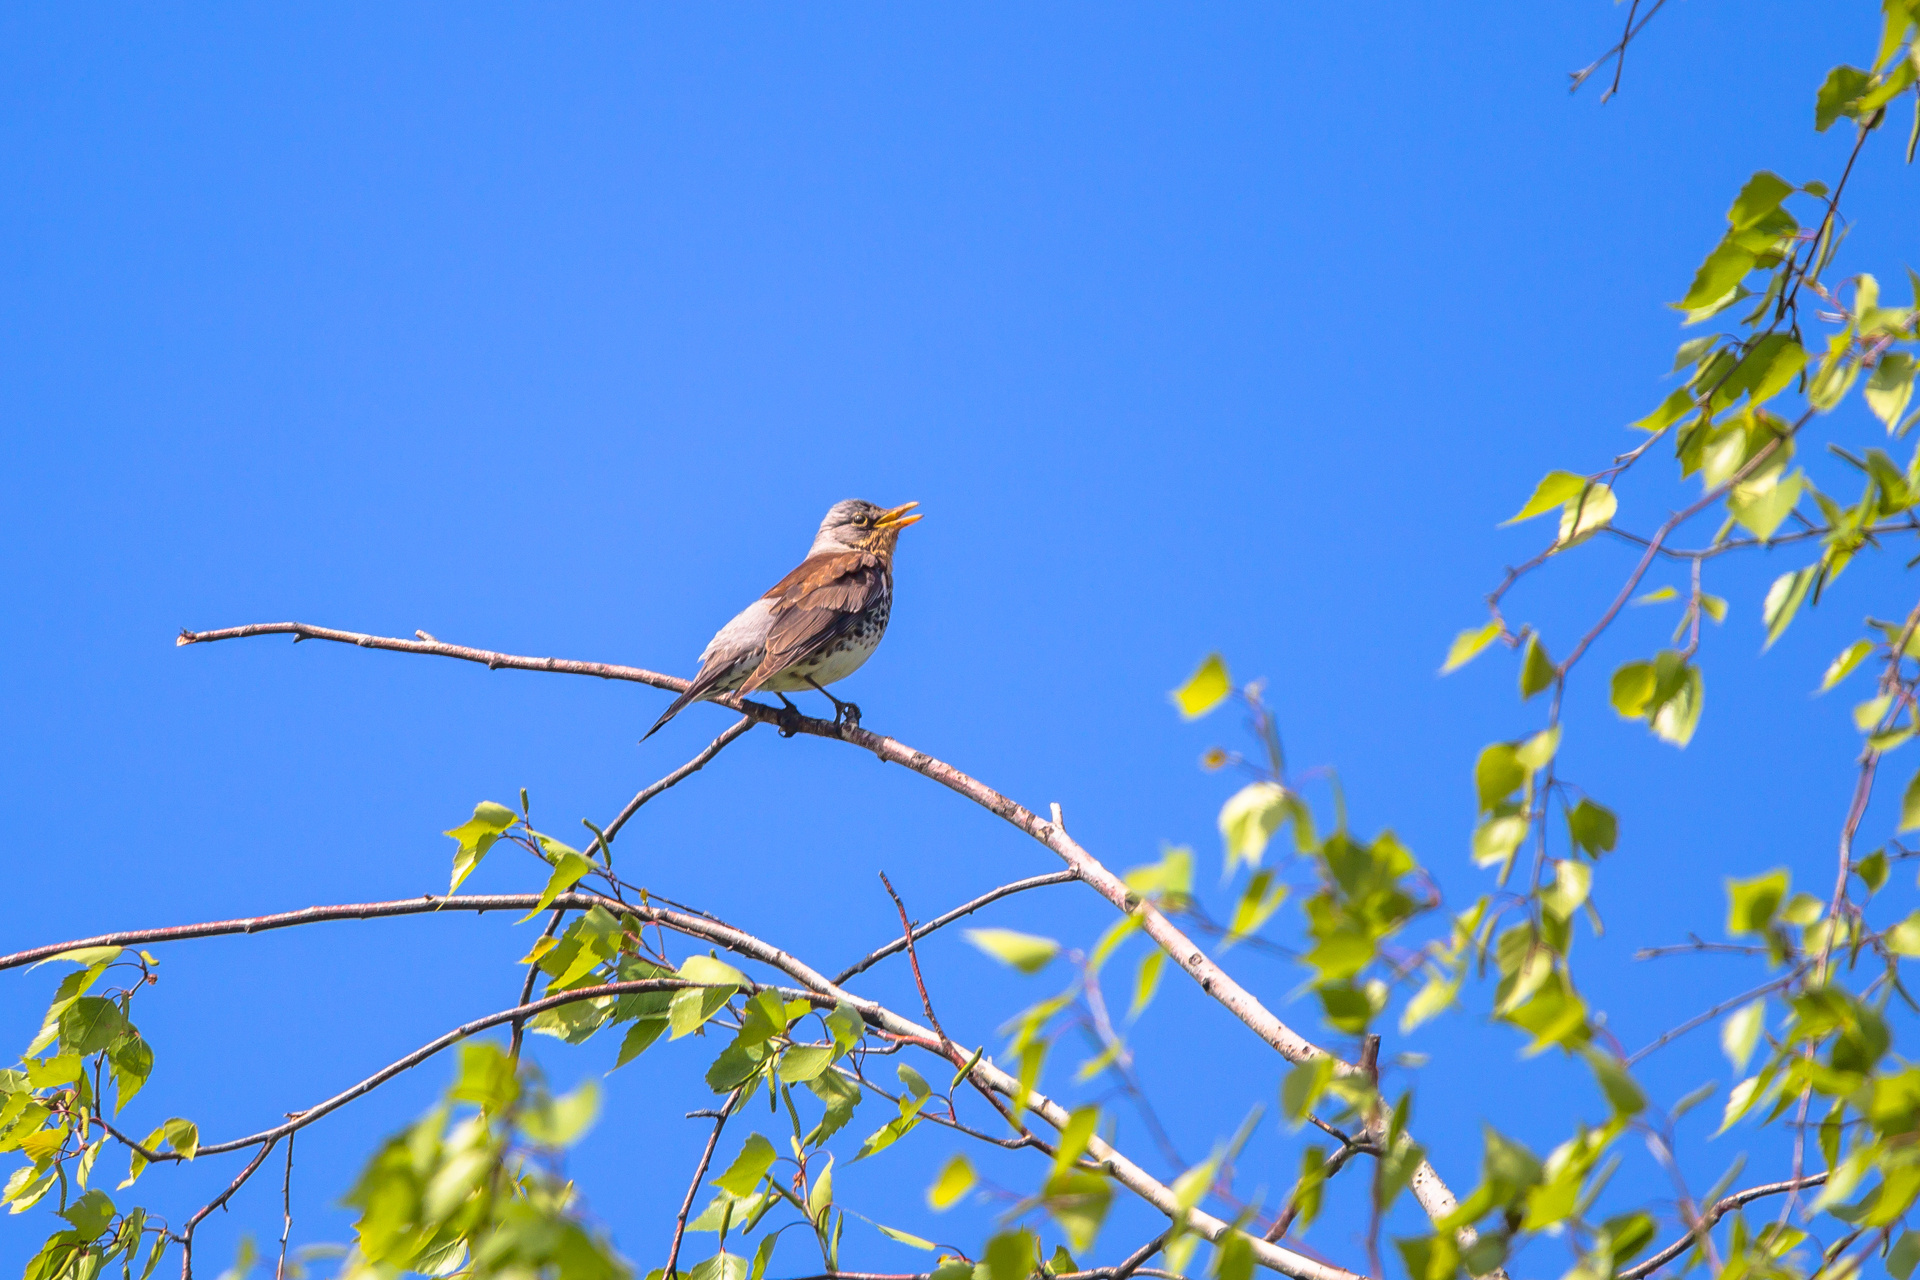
846, 715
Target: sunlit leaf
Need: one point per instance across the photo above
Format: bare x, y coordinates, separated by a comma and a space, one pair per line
476, 835
1467, 646
1555, 489
1026, 952
1206, 689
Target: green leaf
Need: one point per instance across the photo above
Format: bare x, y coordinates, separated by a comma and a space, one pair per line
1678, 714
131, 1061
1751, 904
1632, 689
1910, 806
1072, 1143
1303, 1085
560, 1122
1872, 870
1011, 1255
743, 1175
476, 835
1741, 1032
1761, 506
1256, 906
1593, 512
90, 1024
1616, 1081
1537, 752
90, 1214
1904, 1255
1891, 387
1205, 689
1572, 882
1556, 488
906, 1238
640, 1035
1593, 828
1841, 667
1249, 818
1843, 86
1026, 952
1497, 774
487, 1077
1761, 196
1468, 644
1536, 668
1718, 276
1676, 406
566, 873
955, 1180
803, 1062
1146, 981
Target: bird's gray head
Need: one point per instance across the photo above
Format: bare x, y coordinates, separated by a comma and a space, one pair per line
854, 525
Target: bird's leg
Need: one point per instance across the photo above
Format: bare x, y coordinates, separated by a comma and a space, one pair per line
845, 714
787, 726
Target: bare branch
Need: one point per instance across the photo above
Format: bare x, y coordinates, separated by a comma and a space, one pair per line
1720, 1209
193, 1223
693, 1188
898, 945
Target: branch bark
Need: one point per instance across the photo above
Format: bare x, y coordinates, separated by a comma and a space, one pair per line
1431, 1193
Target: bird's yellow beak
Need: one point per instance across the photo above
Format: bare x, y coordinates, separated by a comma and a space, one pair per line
897, 518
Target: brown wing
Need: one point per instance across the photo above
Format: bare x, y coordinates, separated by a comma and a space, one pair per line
816, 605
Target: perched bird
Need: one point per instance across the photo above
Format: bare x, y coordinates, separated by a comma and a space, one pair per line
818, 624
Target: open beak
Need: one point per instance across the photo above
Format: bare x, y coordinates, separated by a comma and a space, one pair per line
897, 518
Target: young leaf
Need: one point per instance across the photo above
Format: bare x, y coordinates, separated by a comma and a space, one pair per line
476, 835
1536, 668
1248, 820
566, 873
1205, 689
1841, 667
1555, 489
955, 1180
1741, 1032
1593, 828
1467, 646
1024, 951
1586, 515
1751, 904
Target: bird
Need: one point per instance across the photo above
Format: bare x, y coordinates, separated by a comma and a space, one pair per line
818, 624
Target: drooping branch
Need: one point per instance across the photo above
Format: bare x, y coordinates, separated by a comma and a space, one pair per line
1428, 1189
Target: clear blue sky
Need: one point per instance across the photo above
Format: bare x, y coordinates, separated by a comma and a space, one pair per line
554, 330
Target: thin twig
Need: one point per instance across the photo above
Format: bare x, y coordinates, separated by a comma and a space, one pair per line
533, 974
898, 945
286, 1213
693, 1188
219, 1201
1721, 1208
913, 957
1703, 1018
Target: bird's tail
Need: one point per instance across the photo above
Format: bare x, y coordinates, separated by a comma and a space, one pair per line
693, 694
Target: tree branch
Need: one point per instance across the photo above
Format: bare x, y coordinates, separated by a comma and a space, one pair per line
898, 945
693, 1188
1720, 1209
1427, 1186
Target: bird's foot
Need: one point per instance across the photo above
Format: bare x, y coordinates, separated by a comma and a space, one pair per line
846, 715
789, 720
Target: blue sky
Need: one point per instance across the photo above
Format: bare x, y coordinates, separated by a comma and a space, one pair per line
556, 330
